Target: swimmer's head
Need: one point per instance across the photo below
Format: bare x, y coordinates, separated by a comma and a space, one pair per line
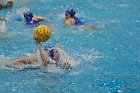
52, 52
9, 3
28, 15
70, 12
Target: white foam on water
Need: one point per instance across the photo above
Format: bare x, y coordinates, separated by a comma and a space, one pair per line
53, 69
16, 13
64, 57
4, 61
3, 27
20, 11
8, 63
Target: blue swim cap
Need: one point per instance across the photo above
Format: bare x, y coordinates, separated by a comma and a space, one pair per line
49, 47
51, 50
28, 15
71, 12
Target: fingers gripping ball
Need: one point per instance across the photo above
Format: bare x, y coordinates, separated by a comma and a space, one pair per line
42, 33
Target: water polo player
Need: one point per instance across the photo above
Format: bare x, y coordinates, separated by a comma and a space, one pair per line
47, 55
71, 19
32, 20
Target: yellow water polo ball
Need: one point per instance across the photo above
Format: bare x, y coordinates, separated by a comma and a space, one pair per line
42, 33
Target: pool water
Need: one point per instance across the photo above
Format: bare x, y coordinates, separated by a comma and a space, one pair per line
106, 59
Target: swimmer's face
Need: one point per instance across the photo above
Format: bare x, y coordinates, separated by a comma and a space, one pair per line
56, 55
67, 16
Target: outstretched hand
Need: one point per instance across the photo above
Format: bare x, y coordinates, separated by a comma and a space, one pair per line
37, 42
47, 20
67, 66
35, 39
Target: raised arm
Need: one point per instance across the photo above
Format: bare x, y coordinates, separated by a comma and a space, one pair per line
43, 54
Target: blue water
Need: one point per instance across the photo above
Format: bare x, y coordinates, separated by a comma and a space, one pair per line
108, 58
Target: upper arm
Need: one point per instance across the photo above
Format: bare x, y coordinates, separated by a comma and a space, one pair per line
26, 60
39, 18
44, 55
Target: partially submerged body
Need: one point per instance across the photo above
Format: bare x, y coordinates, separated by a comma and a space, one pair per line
46, 56
33, 20
71, 19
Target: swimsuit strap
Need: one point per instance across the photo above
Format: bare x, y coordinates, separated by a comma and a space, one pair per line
77, 21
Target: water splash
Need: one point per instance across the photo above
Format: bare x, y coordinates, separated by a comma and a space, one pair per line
20, 11
3, 27
8, 63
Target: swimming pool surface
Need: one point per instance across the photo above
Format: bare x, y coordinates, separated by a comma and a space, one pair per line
107, 59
